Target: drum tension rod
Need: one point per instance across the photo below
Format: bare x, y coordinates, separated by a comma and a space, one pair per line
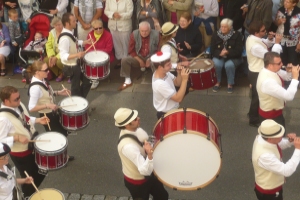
161, 130
208, 133
200, 78
184, 127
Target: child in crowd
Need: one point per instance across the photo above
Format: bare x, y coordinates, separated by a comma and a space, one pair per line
38, 44
14, 28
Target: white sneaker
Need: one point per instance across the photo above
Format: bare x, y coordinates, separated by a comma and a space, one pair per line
94, 84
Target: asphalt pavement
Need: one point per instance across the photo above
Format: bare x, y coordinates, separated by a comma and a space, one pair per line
96, 171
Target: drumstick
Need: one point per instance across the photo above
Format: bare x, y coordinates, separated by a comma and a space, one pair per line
34, 185
67, 105
66, 91
93, 43
47, 122
196, 57
39, 140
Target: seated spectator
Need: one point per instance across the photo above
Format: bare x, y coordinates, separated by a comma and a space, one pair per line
54, 7
174, 9
104, 43
149, 12
15, 32
206, 13
38, 44
53, 57
188, 37
4, 47
139, 54
10, 4
226, 50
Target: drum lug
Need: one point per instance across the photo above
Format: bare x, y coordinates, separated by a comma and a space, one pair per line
208, 132
184, 127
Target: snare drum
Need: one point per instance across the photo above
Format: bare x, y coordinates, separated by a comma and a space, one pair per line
96, 65
74, 113
193, 137
47, 194
53, 154
202, 76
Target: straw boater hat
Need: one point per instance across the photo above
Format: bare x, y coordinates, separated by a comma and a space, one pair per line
160, 57
124, 116
4, 149
270, 129
168, 28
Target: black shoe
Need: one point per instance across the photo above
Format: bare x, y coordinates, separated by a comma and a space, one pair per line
254, 124
71, 158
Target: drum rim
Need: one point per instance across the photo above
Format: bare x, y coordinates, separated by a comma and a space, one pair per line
63, 197
96, 64
196, 71
102, 78
187, 109
51, 153
76, 129
75, 112
199, 186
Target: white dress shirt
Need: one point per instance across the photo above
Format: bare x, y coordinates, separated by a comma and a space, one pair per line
271, 87
64, 45
7, 127
35, 93
271, 163
6, 186
259, 51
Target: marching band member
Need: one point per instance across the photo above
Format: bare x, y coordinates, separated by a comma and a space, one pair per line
16, 129
42, 97
137, 157
256, 47
69, 55
271, 92
7, 178
165, 97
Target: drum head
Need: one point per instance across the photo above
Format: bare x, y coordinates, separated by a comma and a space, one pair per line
56, 142
73, 104
47, 194
96, 57
200, 65
186, 161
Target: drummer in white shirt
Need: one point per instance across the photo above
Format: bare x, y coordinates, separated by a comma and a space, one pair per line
270, 87
8, 184
165, 97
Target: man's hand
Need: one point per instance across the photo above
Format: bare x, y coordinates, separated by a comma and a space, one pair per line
142, 63
201, 9
297, 143
88, 41
28, 180
43, 120
278, 38
86, 26
15, 44
149, 149
23, 139
80, 54
291, 136
64, 92
244, 8
116, 15
12, 5
185, 74
52, 106
295, 72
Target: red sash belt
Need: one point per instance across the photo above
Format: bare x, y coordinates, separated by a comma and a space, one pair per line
272, 191
270, 114
135, 182
21, 154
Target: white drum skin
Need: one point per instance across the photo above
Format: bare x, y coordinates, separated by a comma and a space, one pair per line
47, 194
96, 65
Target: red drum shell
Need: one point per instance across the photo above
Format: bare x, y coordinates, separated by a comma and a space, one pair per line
202, 76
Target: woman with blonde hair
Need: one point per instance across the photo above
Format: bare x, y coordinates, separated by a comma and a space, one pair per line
53, 57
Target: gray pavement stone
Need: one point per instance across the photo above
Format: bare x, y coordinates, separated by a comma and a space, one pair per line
123, 198
98, 197
87, 197
74, 196
111, 198
66, 195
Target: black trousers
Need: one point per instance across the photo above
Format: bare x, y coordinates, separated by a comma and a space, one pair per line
152, 186
261, 196
253, 110
28, 164
289, 55
280, 120
159, 114
80, 85
54, 123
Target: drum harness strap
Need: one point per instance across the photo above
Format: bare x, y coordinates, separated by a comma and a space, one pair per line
67, 34
132, 137
47, 87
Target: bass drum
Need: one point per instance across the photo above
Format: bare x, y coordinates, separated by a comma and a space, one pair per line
187, 151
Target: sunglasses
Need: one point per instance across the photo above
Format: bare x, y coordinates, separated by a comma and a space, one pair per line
17, 99
99, 28
45, 70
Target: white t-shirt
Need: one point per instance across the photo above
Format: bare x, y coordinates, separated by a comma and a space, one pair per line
163, 90
26, 8
89, 8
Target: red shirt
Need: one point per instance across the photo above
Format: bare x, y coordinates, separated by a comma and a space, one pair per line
144, 51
